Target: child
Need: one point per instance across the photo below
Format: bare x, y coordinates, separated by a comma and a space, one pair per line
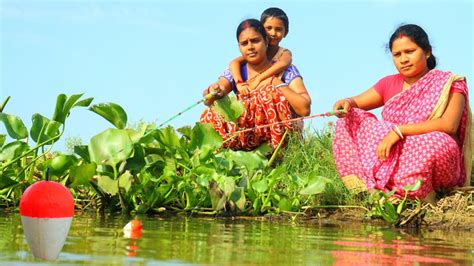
276, 24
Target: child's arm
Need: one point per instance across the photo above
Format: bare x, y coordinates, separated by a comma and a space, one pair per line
234, 68
278, 67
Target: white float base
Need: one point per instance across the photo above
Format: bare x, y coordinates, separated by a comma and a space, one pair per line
46, 236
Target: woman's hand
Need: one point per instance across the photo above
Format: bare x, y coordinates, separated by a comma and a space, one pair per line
383, 150
342, 107
254, 82
216, 91
243, 88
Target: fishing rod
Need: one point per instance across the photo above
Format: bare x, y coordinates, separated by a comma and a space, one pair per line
206, 97
326, 114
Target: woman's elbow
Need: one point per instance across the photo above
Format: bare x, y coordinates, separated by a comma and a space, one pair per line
303, 111
451, 129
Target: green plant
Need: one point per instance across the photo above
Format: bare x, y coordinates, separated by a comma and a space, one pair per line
384, 206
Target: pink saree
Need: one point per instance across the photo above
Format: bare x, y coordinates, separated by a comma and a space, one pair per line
436, 158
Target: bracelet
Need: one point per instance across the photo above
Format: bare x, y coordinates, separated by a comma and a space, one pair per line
281, 85
397, 131
351, 102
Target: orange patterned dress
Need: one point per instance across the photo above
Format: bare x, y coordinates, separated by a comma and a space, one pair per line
265, 105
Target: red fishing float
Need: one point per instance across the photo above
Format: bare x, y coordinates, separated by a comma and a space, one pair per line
46, 210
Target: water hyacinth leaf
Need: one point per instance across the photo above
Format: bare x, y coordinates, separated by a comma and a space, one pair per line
42, 124
185, 131
238, 197
227, 184
134, 135
82, 174
84, 103
12, 150
414, 187
112, 112
205, 135
107, 184
125, 181
168, 138
6, 182
316, 185
83, 152
251, 161
229, 108
61, 163
285, 205
263, 150
110, 147
260, 186
389, 214
58, 110
14, 125
3, 137
218, 197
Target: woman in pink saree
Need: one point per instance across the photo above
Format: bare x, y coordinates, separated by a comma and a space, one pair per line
425, 128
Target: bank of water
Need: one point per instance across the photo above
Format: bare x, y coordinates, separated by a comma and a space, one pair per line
96, 240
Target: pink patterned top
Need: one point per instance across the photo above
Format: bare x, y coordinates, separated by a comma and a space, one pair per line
392, 85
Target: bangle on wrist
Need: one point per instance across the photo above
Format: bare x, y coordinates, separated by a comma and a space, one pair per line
351, 102
239, 81
397, 131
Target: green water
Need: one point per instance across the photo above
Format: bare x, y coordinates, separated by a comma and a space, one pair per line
95, 240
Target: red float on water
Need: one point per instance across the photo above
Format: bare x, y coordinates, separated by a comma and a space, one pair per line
46, 210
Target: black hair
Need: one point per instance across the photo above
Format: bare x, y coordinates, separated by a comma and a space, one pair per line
276, 13
418, 36
252, 23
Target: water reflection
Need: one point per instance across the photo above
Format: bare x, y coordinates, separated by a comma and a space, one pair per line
98, 240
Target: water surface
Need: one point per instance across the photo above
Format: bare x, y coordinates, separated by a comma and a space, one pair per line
96, 240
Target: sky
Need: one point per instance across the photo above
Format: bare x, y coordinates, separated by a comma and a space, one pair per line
154, 58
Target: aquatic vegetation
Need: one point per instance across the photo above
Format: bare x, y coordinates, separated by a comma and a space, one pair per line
146, 169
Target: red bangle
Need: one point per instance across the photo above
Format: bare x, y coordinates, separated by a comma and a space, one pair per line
239, 82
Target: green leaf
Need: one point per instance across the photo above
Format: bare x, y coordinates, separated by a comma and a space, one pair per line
413, 187
218, 197
168, 137
12, 150
229, 108
50, 128
6, 182
110, 147
58, 110
3, 137
251, 161
82, 174
389, 213
285, 205
260, 186
401, 206
238, 197
65, 104
14, 125
83, 152
69, 104
112, 112
316, 185
61, 163
227, 184
84, 103
107, 184
125, 181
205, 135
